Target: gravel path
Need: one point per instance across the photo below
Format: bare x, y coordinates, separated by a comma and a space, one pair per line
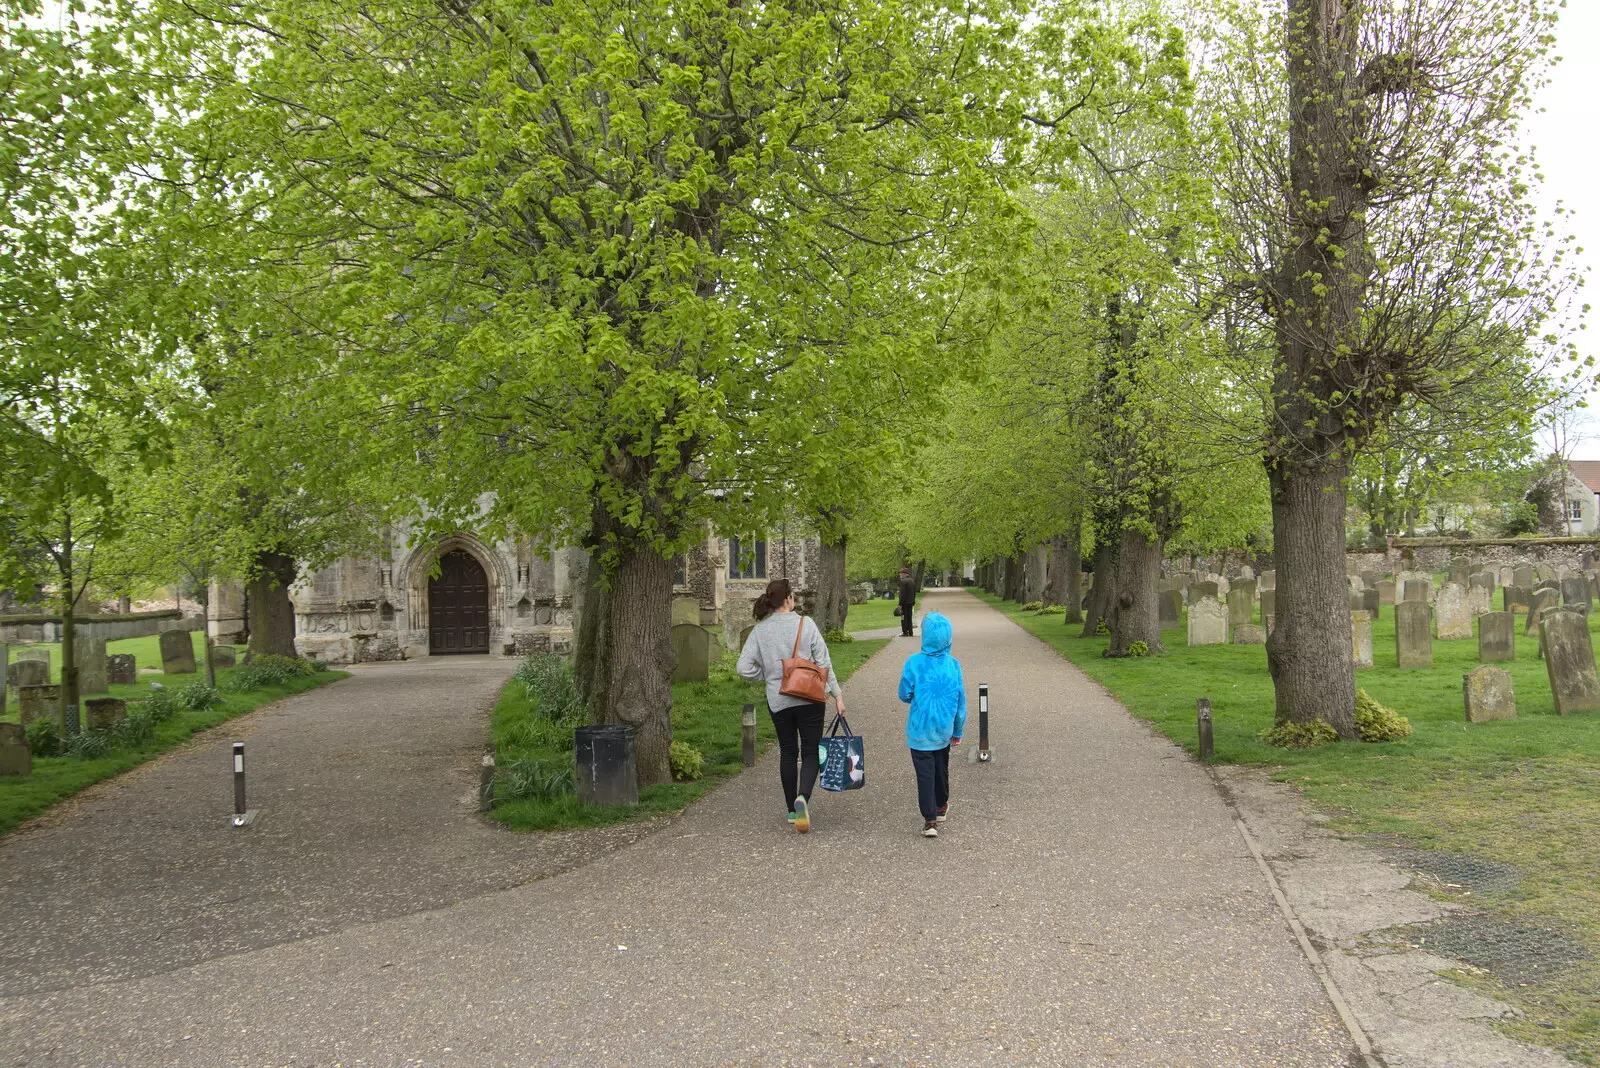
1089, 903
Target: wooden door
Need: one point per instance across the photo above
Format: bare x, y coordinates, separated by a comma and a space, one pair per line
458, 606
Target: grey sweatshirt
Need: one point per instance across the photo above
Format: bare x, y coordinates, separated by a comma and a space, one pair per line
771, 643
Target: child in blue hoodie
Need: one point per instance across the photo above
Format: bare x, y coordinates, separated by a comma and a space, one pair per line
933, 684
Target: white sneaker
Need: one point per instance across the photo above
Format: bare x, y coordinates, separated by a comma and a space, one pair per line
930, 830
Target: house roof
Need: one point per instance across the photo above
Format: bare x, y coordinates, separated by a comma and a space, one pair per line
1588, 472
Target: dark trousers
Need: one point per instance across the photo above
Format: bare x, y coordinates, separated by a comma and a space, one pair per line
905, 618
799, 733
933, 779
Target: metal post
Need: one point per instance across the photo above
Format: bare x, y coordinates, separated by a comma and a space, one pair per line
1203, 717
241, 817
747, 724
983, 722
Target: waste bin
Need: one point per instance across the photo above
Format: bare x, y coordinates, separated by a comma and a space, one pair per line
605, 772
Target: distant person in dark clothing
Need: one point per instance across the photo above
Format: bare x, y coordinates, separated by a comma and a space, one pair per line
908, 601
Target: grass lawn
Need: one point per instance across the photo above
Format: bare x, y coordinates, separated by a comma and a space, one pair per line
1524, 792
57, 778
873, 615
704, 714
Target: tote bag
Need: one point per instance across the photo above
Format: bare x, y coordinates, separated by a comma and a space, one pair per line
843, 758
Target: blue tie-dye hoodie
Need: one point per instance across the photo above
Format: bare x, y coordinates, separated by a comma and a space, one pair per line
932, 683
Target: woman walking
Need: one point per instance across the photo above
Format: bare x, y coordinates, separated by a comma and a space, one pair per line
781, 633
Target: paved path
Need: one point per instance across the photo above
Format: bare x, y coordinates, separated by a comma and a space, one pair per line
1089, 903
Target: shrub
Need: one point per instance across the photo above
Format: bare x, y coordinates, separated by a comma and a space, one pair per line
136, 729
1375, 723
1138, 649
269, 669
531, 778
44, 738
1300, 735
1053, 610
1101, 628
547, 680
838, 636
197, 697
688, 763
1033, 606
160, 706
91, 745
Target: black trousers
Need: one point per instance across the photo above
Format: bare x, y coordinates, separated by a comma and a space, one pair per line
905, 618
799, 733
933, 779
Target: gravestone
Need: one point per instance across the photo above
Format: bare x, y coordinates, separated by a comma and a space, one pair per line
90, 656
1488, 695
1548, 572
1247, 572
1208, 622
1542, 602
177, 652
1357, 599
1202, 591
1482, 580
1369, 579
223, 656
1522, 575
1241, 603
1361, 639
1269, 579
1505, 576
1460, 571
102, 713
28, 673
1569, 662
1516, 598
1594, 584
1385, 591
1413, 635
1575, 590
744, 636
16, 757
1170, 608
1249, 634
32, 653
121, 669
692, 643
1480, 599
686, 610
1452, 617
39, 702
1497, 636
1369, 603
1269, 605
1418, 590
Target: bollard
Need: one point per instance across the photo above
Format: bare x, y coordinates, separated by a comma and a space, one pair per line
486, 781
747, 724
241, 817
1203, 716
983, 722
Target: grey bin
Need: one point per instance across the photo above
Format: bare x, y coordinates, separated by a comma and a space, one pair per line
605, 772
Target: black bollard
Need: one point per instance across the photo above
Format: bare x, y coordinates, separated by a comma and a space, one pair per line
241, 817
983, 722
1203, 716
747, 726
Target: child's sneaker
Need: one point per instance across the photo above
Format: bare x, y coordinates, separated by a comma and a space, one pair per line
940, 817
930, 829
802, 816
791, 816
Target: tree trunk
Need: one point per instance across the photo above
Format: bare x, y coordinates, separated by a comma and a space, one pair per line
1055, 569
1135, 615
638, 673
832, 598
1099, 606
271, 611
69, 652
1071, 581
1035, 573
205, 614
1013, 579
1308, 651
591, 645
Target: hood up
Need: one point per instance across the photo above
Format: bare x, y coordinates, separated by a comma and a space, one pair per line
935, 634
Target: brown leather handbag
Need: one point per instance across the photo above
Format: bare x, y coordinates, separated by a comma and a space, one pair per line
801, 677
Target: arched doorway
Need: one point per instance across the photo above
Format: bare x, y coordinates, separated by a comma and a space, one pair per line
458, 606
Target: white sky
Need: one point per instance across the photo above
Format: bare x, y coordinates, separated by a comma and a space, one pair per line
1564, 135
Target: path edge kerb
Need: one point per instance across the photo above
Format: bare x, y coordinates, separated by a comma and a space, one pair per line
1358, 1036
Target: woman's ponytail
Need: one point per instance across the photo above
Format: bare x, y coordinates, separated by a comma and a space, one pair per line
777, 592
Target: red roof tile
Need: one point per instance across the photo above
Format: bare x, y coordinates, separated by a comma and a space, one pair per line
1588, 472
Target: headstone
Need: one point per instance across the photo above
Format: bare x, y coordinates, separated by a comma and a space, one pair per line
121, 669
1481, 580
28, 673
1369, 603
90, 656
1451, 615
1543, 601
1247, 573
1497, 637
33, 653
1361, 639
39, 702
692, 643
1385, 591
1170, 608
1208, 622
744, 636
1488, 694
1480, 599
686, 610
1369, 579
1505, 576
1522, 575
1569, 661
1594, 584
223, 656
177, 652
1460, 571
1357, 599
1413, 636
101, 713
1249, 634
1548, 572
1419, 590
1516, 598
1200, 591
1269, 579
1575, 590
16, 758
1269, 605
1241, 603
